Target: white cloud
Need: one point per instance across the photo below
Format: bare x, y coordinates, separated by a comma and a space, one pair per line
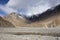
26, 3
41, 7
32, 7
8, 9
18, 4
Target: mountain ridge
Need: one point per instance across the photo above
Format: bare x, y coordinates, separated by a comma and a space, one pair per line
49, 22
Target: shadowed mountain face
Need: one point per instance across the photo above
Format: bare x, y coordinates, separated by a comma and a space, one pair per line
5, 23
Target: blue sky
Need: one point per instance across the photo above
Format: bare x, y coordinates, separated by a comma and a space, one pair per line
26, 7
3, 2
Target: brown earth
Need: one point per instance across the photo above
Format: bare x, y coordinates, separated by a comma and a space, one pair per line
5, 23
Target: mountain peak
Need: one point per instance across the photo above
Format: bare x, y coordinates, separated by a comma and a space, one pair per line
15, 19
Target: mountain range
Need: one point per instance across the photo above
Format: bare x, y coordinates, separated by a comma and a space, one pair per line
48, 19
15, 20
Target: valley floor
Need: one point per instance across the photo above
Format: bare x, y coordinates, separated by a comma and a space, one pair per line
25, 33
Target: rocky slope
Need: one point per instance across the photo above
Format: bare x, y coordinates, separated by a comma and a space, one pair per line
15, 19
5, 23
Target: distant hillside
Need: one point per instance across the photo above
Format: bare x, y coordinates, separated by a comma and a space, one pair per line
5, 23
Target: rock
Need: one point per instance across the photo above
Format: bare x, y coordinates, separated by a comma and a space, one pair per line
5, 23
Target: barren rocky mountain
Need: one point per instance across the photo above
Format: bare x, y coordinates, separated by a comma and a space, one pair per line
48, 19
5, 23
15, 19
52, 21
